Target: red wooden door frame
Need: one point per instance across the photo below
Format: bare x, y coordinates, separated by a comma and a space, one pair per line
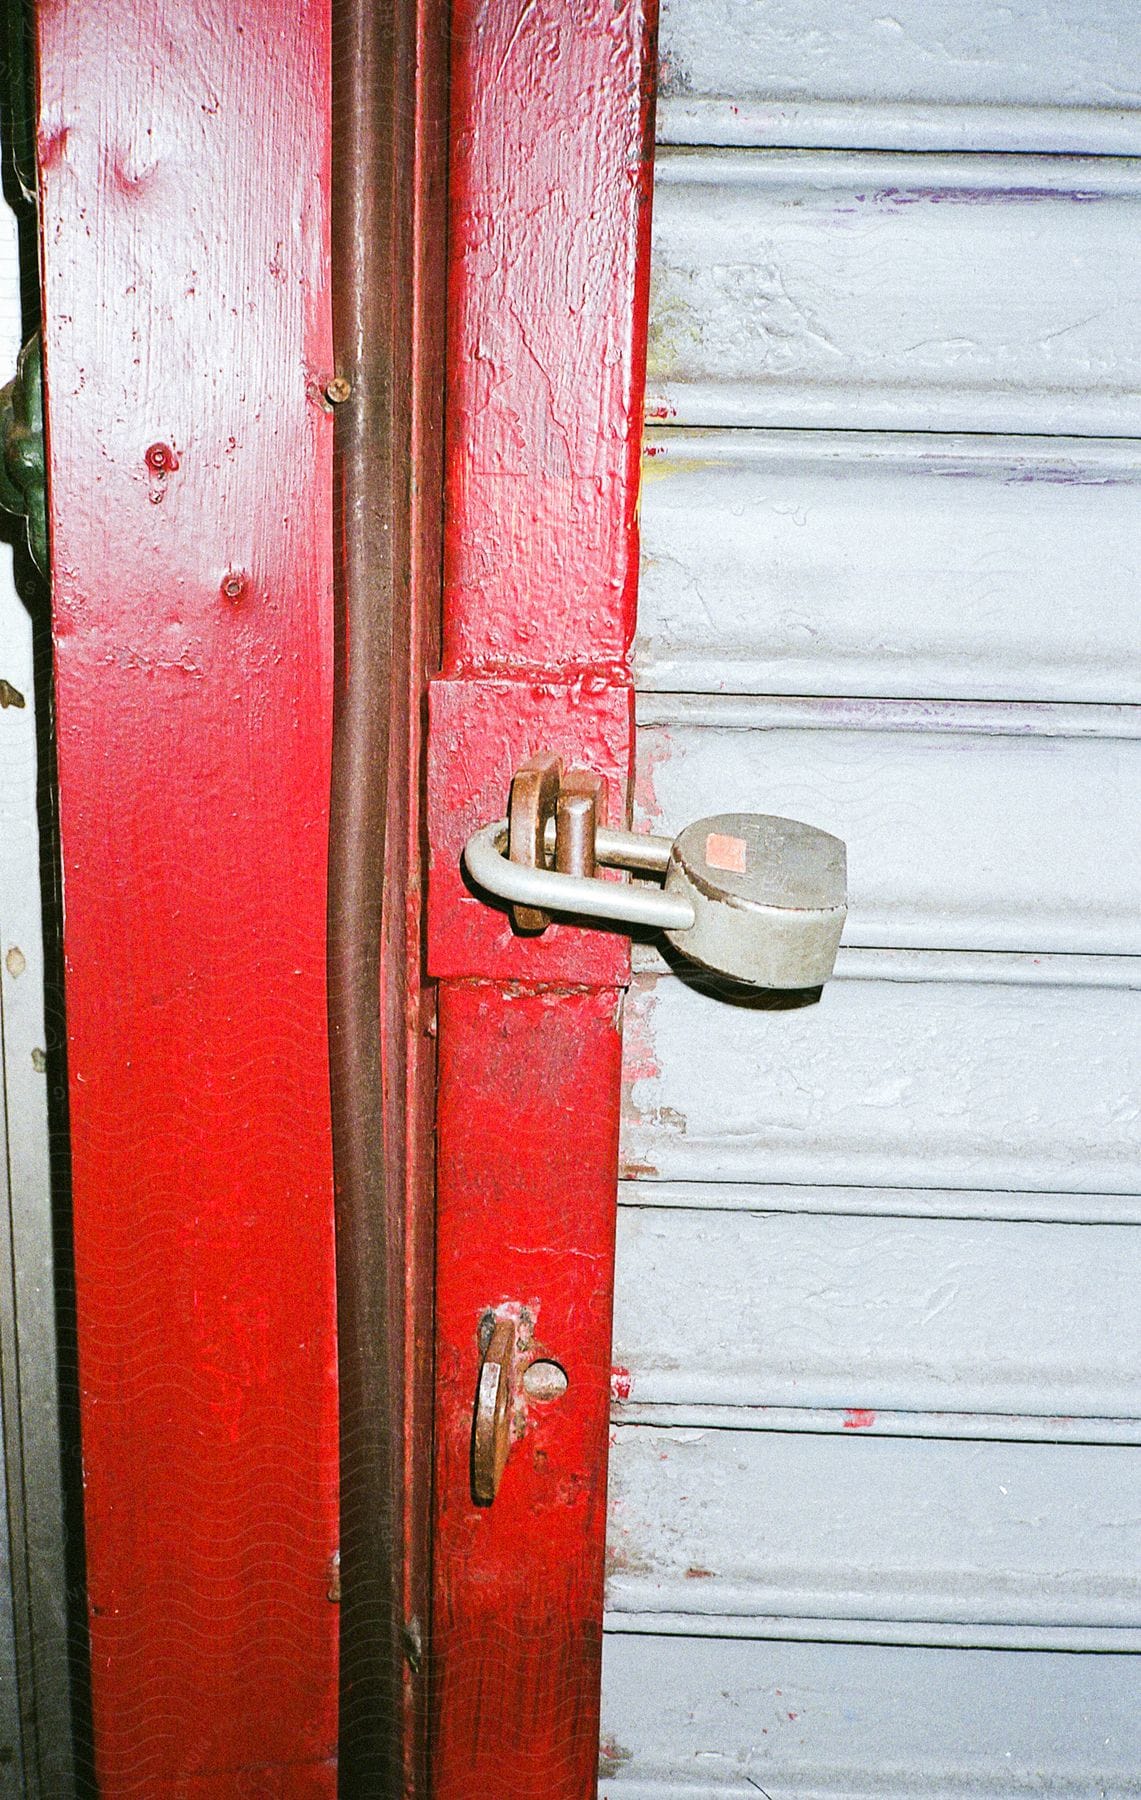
190, 469
184, 174
550, 206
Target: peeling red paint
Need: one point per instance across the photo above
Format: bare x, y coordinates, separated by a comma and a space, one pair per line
640, 1060
858, 1418
654, 749
621, 1383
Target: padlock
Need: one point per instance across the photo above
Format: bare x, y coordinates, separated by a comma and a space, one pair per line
769, 898
751, 896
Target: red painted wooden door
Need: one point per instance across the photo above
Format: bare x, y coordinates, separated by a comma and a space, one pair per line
550, 182
183, 156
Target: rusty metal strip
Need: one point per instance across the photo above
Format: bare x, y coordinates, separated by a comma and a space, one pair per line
389, 150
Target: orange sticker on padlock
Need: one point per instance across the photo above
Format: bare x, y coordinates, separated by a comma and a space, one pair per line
722, 852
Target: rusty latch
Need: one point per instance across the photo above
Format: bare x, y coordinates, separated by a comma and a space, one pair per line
544, 799
514, 1373
494, 1408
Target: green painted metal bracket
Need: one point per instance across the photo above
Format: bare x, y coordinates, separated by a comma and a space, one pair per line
23, 479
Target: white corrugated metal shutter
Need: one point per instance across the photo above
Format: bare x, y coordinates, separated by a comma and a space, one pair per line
876, 1476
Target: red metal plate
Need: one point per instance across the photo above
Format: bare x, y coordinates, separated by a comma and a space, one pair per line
549, 265
479, 733
183, 159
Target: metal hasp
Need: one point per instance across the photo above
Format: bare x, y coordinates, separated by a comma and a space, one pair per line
23, 482
754, 897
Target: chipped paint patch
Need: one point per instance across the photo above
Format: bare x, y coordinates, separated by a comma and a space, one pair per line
654, 750
612, 1756
639, 1052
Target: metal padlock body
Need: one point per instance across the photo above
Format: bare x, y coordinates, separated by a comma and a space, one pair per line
769, 896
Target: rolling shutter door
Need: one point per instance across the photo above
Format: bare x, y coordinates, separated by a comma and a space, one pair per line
874, 1524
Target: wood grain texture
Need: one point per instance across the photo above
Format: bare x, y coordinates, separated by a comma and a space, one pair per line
896, 293
191, 552
550, 174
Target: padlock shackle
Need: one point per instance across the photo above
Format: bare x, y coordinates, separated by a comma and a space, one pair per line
637, 851
584, 896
